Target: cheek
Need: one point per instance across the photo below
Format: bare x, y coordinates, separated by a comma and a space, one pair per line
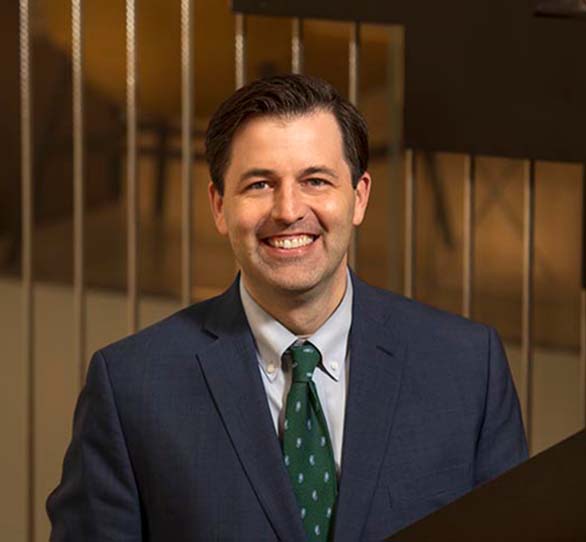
243, 219
337, 212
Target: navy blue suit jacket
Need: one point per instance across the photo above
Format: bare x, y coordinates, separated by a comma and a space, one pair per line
173, 439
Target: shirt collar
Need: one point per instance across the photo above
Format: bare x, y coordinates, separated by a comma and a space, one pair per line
273, 338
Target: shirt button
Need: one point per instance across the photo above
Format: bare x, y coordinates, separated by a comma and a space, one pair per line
334, 366
271, 368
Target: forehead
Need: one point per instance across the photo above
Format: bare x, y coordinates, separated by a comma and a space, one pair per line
269, 141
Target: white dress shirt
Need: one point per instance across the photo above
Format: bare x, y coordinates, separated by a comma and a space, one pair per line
331, 375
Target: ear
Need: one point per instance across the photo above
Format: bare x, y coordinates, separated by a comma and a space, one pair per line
217, 207
361, 194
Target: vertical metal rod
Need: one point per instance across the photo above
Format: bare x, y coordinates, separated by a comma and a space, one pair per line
78, 188
354, 63
469, 230
28, 335
131, 166
239, 57
240, 49
527, 320
353, 86
186, 154
410, 223
396, 180
582, 378
297, 55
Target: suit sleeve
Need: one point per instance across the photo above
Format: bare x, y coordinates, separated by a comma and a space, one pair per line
97, 498
501, 443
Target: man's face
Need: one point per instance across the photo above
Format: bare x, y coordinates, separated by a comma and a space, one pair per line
289, 206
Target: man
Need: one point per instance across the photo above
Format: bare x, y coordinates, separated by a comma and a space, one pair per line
301, 404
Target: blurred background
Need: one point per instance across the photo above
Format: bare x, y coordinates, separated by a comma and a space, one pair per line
31, 455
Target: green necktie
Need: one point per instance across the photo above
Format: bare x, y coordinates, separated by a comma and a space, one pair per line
307, 448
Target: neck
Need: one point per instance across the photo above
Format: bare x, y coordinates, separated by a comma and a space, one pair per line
302, 313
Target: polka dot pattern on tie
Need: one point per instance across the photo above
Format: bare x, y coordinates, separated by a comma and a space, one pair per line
307, 449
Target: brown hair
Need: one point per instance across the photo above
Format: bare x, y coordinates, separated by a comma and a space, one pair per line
284, 96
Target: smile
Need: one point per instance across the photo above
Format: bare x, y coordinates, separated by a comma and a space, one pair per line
291, 242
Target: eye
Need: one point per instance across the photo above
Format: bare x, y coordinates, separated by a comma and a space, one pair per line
316, 182
258, 185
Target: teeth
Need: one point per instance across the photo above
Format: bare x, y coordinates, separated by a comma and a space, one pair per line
291, 242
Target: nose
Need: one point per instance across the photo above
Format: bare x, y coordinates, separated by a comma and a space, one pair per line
288, 204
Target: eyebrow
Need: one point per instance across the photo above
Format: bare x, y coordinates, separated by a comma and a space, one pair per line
263, 172
323, 170
256, 172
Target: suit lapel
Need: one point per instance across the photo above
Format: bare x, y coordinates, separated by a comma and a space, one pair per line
376, 366
231, 371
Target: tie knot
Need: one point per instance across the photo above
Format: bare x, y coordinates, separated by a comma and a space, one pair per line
305, 359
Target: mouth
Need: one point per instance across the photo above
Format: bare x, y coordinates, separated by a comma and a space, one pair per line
290, 242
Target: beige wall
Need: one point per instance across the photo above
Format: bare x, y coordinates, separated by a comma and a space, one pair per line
57, 386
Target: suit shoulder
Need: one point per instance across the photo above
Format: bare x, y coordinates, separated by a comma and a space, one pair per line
414, 319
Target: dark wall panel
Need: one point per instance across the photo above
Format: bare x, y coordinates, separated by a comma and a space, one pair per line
483, 76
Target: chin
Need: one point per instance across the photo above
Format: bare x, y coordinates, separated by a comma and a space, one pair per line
284, 281
294, 283
300, 282
290, 279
